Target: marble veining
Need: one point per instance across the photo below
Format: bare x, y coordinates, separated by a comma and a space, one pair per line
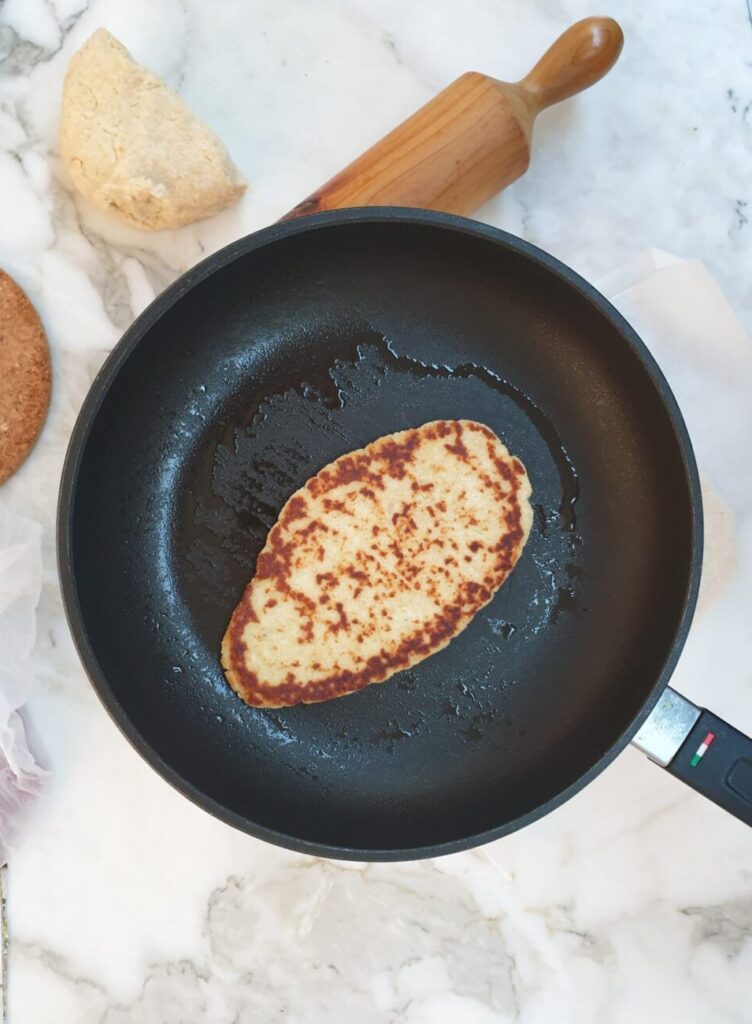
128, 904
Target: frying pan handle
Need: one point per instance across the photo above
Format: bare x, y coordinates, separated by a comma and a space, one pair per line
702, 750
716, 760
473, 139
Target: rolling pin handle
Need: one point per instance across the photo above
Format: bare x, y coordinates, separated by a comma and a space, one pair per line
580, 57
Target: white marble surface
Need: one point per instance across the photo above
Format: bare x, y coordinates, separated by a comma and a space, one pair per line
632, 901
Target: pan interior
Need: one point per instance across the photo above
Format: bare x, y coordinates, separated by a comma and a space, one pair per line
286, 357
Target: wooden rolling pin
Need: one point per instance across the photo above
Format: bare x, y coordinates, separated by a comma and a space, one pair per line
473, 139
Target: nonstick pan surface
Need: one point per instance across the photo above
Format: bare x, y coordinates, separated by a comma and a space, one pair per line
279, 354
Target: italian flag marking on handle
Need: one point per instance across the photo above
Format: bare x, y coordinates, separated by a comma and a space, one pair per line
700, 752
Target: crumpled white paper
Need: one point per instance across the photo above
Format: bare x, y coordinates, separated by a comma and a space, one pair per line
21, 778
679, 311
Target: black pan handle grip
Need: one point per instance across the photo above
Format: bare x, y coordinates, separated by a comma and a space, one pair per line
716, 760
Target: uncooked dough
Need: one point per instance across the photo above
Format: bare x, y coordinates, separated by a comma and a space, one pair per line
133, 147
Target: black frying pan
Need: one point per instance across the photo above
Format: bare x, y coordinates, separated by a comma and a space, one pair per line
314, 337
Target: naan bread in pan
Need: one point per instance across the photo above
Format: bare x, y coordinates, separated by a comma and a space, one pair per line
377, 562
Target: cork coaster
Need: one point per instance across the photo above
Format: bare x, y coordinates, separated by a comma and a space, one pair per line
25, 376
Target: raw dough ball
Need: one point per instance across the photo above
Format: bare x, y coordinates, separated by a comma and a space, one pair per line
132, 146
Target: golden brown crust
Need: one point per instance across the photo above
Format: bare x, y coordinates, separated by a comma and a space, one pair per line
400, 540
25, 376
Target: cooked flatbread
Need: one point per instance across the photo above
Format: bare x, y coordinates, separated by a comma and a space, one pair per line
134, 148
378, 562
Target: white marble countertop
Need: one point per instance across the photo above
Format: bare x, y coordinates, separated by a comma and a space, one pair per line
127, 903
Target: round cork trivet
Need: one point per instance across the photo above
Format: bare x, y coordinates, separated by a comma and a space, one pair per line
25, 376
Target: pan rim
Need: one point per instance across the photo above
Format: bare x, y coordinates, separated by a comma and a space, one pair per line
97, 394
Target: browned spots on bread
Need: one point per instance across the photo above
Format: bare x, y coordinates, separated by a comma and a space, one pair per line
387, 593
